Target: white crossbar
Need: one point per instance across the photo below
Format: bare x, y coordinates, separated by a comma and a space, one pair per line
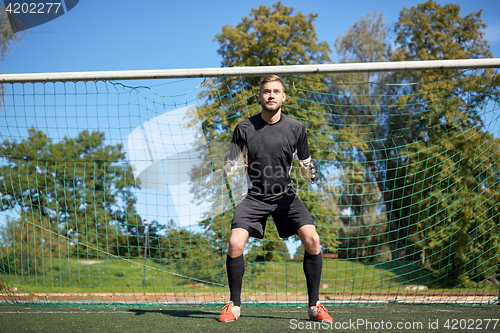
251, 71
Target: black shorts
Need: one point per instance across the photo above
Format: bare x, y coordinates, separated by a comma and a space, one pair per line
288, 212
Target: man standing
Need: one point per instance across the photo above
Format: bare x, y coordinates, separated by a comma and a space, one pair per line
269, 141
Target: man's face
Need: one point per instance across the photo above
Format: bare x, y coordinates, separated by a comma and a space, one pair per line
271, 96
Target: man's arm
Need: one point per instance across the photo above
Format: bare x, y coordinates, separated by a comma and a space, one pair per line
234, 165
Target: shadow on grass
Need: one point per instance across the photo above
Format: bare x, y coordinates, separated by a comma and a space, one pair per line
182, 313
250, 312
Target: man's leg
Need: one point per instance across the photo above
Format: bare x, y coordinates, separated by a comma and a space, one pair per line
235, 264
313, 262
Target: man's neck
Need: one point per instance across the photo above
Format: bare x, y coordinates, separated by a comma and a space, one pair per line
271, 117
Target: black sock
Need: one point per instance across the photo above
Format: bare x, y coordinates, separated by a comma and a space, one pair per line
235, 270
313, 264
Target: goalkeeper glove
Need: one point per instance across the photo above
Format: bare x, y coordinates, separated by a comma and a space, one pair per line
307, 171
232, 169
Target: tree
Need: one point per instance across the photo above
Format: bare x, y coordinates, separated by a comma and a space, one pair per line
365, 40
271, 248
454, 224
7, 36
448, 150
78, 188
432, 32
268, 36
422, 33
187, 252
360, 117
363, 232
426, 32
29, 241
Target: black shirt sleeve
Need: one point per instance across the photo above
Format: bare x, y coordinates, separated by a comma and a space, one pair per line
302, 144
237, 144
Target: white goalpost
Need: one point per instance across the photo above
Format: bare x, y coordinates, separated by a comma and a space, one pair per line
252, 71
406, 203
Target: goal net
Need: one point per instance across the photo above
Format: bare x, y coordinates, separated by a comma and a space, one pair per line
112, 191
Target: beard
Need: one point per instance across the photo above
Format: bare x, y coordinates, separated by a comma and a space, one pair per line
271, 108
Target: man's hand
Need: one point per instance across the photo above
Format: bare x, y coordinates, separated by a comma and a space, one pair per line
232, 169
307, 171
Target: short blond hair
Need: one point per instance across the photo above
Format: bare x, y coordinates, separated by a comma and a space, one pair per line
271, 78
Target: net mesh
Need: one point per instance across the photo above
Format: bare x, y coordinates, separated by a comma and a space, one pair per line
114, 194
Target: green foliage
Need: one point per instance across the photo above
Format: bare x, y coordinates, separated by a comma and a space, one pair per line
269, 249
449, 158
323, 219
363, 137
391, 132
364, 234
272, 36
78, 188
430, 32
454, 226
434, 32
6, 34
365, 40
186, 251
29, 242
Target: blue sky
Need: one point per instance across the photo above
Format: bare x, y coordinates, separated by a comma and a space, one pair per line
127, 35
111, 35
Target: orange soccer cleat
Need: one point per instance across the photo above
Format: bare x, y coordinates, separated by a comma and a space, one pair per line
319, 313
230, 312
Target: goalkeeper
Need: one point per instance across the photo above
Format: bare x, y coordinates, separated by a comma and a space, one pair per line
269, 141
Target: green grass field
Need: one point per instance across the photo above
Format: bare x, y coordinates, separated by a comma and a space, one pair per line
127, 276
132, 276
378, 318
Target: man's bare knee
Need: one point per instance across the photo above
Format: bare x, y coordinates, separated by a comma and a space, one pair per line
310, 239
237, 242
236, 248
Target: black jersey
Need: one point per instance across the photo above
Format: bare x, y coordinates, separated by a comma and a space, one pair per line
269, 150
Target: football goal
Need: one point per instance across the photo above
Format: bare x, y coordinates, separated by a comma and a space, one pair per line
112, 188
